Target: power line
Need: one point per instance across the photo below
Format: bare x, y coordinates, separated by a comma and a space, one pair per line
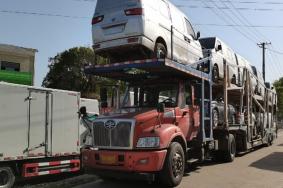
227, 8
240, 25
227, 21
245, 2
240, 19
275, 51
246, 21
86, 17
43, 14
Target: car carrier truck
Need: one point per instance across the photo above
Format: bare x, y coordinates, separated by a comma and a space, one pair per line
39, 132
165, 121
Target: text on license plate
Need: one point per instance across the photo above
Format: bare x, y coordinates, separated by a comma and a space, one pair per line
108, 159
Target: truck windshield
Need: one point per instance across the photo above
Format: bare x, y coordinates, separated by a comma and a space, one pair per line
150, 96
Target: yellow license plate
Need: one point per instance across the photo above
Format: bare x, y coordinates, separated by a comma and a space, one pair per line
108, 159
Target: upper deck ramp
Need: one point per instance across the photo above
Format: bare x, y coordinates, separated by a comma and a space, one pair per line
142, 69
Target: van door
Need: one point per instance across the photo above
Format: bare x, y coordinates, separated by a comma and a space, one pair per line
38, 122
194, 52
179, 39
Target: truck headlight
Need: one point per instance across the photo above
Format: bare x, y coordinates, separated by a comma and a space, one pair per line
149, 142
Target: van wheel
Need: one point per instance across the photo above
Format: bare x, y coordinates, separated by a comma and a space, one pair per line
160, 51
7, 177
215, 74
230, 154
174, 166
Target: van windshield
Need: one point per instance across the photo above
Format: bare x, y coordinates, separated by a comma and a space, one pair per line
208, 43
103, 5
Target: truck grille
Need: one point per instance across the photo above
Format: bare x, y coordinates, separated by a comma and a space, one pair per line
118, 137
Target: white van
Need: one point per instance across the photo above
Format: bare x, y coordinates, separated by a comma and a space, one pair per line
216, 49
260, 85
137, 29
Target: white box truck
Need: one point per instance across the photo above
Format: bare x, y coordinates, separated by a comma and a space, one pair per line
39, 132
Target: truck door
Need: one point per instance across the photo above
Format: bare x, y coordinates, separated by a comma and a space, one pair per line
38, 110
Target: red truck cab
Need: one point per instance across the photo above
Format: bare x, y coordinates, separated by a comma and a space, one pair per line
148, 135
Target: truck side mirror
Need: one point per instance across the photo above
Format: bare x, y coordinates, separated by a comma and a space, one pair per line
103, 97
160, 107
83, 111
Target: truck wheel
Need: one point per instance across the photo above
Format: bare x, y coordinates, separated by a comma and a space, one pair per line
160, 51
7, 177
230, 154
174, 166
269, 141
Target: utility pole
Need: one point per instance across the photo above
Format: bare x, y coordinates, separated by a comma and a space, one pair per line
263, 46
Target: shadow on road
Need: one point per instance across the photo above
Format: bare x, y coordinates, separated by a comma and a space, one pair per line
120, 184
56, 181
273, 162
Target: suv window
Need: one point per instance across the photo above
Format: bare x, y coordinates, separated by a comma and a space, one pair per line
190, 29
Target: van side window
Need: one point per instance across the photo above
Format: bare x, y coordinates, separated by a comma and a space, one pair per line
190, 29
164, 9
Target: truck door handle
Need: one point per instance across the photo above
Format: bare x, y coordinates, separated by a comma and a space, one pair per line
29, 99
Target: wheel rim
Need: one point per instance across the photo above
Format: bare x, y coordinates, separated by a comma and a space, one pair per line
4, 178
177, 165
160, 53
215, 119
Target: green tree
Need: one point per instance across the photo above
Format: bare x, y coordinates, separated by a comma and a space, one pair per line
279, 89
66, 71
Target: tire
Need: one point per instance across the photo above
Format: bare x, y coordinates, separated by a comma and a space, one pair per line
174, 166
215, 74
7, 177
230, 154
269, 141
215, 118
160, 51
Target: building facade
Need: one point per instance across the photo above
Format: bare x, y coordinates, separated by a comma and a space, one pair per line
17, 64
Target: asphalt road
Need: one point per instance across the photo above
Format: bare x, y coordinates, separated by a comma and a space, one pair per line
262, 168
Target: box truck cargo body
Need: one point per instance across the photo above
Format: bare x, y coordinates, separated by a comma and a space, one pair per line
38, 128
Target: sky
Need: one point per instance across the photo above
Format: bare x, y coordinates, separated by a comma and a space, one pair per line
57, 25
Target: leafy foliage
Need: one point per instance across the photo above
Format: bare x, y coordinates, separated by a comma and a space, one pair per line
66, 71
279, 89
